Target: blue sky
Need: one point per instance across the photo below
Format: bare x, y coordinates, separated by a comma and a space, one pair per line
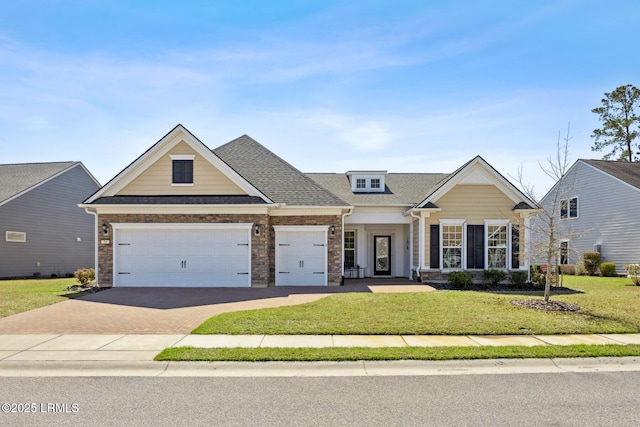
329, 86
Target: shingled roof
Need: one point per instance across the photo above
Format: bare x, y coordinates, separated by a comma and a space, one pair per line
18, 178
628, 172
401, 188
274, 177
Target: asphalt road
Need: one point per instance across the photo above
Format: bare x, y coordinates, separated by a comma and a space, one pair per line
571, 399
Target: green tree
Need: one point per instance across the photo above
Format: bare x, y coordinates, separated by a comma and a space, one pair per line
619, 116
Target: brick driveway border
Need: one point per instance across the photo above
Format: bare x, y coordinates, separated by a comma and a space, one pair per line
158, 310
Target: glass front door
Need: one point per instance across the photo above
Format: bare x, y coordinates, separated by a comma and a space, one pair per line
382, 253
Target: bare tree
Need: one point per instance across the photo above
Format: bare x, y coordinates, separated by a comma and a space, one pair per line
547, 230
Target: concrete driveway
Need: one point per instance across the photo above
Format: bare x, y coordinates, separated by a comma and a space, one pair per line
167, 310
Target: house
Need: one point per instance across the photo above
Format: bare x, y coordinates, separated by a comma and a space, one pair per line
184, 215
42, 230
599, 202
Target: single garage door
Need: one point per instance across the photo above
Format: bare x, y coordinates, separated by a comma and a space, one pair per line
301, 255
182, 256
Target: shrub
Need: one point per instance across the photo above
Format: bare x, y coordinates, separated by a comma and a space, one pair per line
85, 275
580, 269
568, 269
538, 280
633, 271
608, 269
536, 268
460, 279
493, 277
518, 278
591, 261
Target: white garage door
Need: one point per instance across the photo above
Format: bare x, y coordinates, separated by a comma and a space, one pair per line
301, 256
182, 256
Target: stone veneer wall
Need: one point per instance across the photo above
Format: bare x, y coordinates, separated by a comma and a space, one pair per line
260, 263
334, 243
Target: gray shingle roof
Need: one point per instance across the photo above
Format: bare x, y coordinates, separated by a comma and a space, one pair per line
277, 179
402, 188
16, 178
628, 172
179, 200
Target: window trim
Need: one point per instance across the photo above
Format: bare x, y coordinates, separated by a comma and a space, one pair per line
378, 183
565, 212
463, 255
22, 239
361, 183
507, 253
565, 243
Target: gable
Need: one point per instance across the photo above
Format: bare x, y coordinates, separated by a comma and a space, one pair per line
477, 173
156, 180
151, 173
475, 203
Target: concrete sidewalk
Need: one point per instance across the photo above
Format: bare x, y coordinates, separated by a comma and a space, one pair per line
123, 348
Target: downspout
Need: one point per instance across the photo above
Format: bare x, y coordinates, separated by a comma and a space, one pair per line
94, 212
342, 246
420, 241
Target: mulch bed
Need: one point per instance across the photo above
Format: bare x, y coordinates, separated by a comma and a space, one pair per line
540, 304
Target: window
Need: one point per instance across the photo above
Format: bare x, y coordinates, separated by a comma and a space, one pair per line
361, 183
15, 236
496, 246
451, 246
182, 172
569, 208
564, 252
375, 183
349, 249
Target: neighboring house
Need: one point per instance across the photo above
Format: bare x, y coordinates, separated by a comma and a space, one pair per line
42, 230
599, 211
184, 215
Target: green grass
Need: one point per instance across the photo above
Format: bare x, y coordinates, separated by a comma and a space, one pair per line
17, 296
609, 305
394, 353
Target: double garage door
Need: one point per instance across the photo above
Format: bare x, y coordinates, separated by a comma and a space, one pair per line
182, 255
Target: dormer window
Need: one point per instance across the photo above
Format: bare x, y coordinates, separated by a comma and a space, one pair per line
182, 169
367, 181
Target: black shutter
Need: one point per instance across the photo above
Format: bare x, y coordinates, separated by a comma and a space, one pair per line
515, 246
475, 246
434, 251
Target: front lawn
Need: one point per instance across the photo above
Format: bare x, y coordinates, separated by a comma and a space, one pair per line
609, 305
17, 296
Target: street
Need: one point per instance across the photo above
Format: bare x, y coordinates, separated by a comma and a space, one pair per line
567, 399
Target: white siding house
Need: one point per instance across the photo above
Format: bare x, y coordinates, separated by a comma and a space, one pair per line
600, 209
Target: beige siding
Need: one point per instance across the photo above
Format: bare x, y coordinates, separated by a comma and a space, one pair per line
474, 204
156, 180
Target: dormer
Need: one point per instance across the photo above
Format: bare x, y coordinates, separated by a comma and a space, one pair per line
367, 181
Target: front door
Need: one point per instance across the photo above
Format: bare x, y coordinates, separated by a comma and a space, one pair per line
382, 254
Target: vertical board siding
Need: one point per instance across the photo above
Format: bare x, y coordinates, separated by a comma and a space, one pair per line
156, 180
52, 220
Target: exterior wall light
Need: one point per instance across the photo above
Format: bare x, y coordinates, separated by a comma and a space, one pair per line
333, 230
105, 228
256, 229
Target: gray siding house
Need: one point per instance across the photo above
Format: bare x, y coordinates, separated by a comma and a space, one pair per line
42, 231
600, 211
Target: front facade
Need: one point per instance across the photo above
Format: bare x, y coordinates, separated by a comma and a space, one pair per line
42, 232
598, 212
238, 215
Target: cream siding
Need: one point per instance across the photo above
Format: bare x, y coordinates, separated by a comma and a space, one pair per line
474, 204
156, 180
